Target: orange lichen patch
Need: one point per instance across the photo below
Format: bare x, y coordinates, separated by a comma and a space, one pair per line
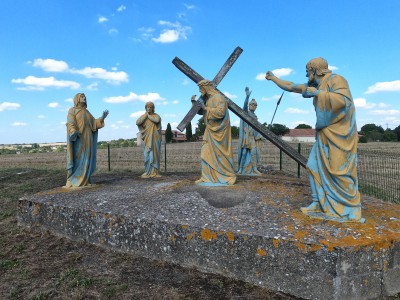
191, 235
36, 209
276, 243
208, 235
107, 215
172, 238
261, 252
94, 213
185, 226
221, 232
230, 236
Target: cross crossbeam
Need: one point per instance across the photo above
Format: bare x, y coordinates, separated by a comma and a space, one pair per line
217, 79
269, 135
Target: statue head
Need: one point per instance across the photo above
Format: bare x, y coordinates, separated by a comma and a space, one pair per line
205, 86
317, 66
253, 105
80, 100
149, 107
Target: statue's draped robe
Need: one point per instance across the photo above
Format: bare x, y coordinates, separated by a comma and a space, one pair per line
333, 158
151, 135
81, 151
249, 145
216, 152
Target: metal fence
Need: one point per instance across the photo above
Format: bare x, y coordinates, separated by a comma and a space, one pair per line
378, 167
378, 171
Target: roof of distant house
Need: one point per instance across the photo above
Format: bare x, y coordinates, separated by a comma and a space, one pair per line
301, 132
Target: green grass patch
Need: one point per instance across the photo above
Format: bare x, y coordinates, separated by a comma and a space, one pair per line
8, 264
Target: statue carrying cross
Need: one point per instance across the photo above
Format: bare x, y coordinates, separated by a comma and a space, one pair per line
285, 147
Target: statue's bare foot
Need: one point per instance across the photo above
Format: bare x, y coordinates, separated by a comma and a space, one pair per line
313, 207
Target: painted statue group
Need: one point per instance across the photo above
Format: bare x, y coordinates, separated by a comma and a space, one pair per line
332, 162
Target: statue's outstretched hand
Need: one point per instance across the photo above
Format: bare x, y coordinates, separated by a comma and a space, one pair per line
248, 92
269, 75
105, 114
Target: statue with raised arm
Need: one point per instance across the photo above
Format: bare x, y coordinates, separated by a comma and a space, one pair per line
333, 159
216, 152
250, 141
82, 129
150, 129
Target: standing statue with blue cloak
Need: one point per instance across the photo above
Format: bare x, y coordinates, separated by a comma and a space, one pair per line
250, 141
333, 159
216, 152
82, 129
150, 129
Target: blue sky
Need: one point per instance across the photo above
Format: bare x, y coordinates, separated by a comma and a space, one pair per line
119, 53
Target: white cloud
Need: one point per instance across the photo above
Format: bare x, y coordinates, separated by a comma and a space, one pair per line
137, 114
41, 117
170, 115
273, 98
229, 95
294, 124
167, 36
40, 83
388, 112
100, 73
185, 81
51, 65
173, 32
63, 122
332, 68
389, 86
282, 72
292, 110
102, 19
121, 8
19, 124
277, 72
260, 76
9, 106
113, 31
93, 86
145, 33
70, 100
362, 103
133, 97
53, 104
189, 6
175, 102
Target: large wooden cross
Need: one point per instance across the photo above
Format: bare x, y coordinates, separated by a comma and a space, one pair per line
196, 108
269, 135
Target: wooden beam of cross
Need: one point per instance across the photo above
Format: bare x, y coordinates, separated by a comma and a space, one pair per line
217, 79
269, 135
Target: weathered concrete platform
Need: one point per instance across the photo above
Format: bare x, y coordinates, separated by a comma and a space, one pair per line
253, 231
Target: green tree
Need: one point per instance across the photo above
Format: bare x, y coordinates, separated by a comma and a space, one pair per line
189, 134
235, 132
371, 127
397, 132
303, 126
279, 129
201, 126
389, 136
168, 134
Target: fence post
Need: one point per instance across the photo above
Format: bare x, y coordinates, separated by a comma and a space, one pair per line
298, 165
165, 157
280, 159
109, 161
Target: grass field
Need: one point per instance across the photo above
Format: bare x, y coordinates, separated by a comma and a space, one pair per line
42, 266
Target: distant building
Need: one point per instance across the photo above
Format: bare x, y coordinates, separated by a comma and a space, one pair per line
177, 137
300, 136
